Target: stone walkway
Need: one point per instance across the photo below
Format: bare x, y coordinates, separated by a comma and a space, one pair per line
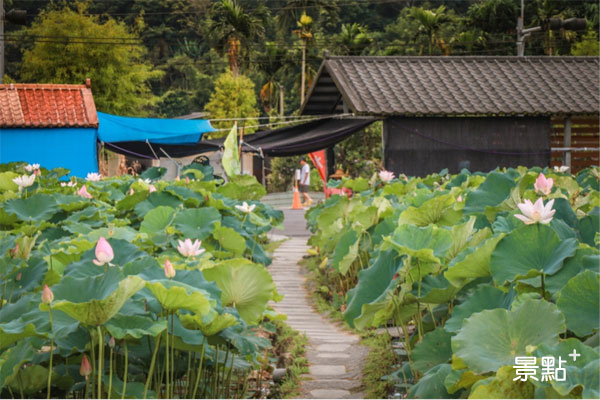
334, 355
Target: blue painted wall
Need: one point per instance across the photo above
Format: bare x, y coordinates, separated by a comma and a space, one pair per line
71, 148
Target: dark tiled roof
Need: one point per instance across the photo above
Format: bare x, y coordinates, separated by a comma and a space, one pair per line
47, 106
456, 86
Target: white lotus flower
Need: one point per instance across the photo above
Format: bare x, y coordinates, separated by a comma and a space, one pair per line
146, 181
246, 208
534, 213
188, 249
68, 184
93, 177
32, 167
24, 181
386, 176
562, 168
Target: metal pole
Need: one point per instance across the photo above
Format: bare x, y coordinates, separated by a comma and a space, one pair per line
520, 24
1, 41
567, 141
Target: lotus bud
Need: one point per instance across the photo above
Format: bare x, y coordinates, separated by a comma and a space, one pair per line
84, 193
15, 251
47, 295
104, 252
459, 198
151, 189
169, 270
111, 342
543, 185
85, 369
187, 179
131, 192
18, 277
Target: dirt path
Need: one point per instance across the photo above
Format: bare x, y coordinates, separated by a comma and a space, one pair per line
334, 355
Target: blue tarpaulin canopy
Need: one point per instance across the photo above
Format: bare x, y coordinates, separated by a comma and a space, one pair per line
113, 129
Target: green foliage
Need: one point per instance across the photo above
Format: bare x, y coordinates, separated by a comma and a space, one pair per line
203, 323
468, 286
233, 98
120, 78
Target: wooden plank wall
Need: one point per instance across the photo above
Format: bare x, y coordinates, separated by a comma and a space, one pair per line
585, 132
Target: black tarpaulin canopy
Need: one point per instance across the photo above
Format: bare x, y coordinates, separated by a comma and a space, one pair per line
288, 141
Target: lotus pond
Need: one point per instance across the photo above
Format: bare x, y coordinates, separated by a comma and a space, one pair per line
132, 287
472, 271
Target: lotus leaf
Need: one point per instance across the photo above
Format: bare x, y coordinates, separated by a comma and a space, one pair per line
197, 223
433, 350
589, 226
502, 386
493, 191
71, 202
491, 339
156, 199
438, 210
130, 201
123, 326
485, 297
372, 283
157, 220
230, 240
461, 379
12, 359
531, 248
357, 184
579, 301
215, 324
173, 295
37, 208
93, 301
564, 212
246, 286
243, 187
431, 386
426, 244
435, 290
346, 251
6, 181
153, 173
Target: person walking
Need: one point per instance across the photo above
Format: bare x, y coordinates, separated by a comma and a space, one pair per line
305, 181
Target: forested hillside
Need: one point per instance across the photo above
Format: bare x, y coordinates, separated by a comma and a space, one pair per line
163, 57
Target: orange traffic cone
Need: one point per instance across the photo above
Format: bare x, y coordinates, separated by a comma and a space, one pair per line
296, 204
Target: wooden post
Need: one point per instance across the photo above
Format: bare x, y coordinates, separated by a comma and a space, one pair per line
567, 141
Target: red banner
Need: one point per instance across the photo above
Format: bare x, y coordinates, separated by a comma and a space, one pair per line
318, 160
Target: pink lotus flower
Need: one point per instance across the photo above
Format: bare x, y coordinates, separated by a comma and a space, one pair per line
104, 253
538, 212
32, 167
188, 249
386, 176
86, 368
131, 192
47, 295
459, 198
151, 189
169, 270
187, 179
84, 193
543, 185
111, 342
93, 177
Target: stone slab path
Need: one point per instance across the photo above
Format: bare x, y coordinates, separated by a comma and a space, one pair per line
334, 355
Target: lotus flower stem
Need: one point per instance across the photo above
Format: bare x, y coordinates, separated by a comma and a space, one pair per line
100, 357
110, 370
93, 360
151, 371
215, 373
167, 356
199, 373
228, 394
223, 372
543, 286
187, 374
51, 353
126, 368
172, 353
20, 381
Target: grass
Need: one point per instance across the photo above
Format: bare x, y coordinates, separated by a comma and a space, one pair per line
324, 299
380, 362
291, 345
271, 246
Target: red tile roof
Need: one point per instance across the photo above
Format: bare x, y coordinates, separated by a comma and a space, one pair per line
47, 106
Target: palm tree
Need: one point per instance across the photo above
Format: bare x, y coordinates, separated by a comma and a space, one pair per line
430, 21
234, 30
293, 10
272, 64
353, 39
304, 32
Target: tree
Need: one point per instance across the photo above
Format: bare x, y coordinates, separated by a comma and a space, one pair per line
234, 30
430, 22
304, 32
353, 39
75, 47
273, 63
233, 98
588, 46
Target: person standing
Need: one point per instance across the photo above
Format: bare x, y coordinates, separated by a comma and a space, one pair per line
305, 181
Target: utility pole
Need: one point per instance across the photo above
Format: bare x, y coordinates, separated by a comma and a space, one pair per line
1, 41
523, 34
